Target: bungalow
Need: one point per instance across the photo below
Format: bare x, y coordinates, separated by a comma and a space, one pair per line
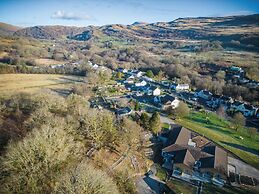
123, 111
155, 91
180, 87
236, 70
147, 78
95, 66
167, 101
204, 94
130, 80
246, 109
142, 83
214, 101
165, 83
122, 70
139, 73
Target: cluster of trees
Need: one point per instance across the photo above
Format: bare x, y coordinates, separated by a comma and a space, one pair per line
69, 70
153, 123
44, 139
206, 46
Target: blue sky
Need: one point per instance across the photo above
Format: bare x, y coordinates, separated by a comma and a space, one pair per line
101, 12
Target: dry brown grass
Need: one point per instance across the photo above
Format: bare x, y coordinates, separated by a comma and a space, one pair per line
32, 83
47, 62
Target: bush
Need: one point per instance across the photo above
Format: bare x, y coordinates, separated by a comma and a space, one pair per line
182, 110
124, 183
33, 164
84, 178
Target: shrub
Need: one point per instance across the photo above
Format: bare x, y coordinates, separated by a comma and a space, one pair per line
33, 164
84, 178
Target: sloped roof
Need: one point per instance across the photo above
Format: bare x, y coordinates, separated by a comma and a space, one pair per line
167, 98
248, 107
200, 141
237, 103
185, 154
219, 159
177, 135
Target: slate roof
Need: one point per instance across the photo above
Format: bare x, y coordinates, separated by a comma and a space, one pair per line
237, 103
167, 98
185, 154
177, 135
210, 155
248, 107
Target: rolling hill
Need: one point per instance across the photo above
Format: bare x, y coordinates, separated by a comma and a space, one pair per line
241, 30
7, 29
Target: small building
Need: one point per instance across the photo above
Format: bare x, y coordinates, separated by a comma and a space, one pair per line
204, 94
246, 109
95, 66
142, 83
180, 87
167, 101
147, 78
155, 91
130, 80
122, 70
137, 73
123, 111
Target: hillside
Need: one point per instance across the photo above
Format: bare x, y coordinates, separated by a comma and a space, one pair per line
240, 31
7, 29
50, 32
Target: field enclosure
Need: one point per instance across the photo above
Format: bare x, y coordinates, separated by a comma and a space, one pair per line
12, 83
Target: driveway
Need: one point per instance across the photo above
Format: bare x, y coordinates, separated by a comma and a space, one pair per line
151, 185
142, 187
243, 168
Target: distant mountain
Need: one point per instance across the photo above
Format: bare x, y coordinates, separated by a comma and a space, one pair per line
7, 29
50, 32
139, 23
241, 30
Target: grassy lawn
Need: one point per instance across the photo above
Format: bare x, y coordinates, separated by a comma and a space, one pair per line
181, 187
219, 131
12, 83
161, 172
166, 126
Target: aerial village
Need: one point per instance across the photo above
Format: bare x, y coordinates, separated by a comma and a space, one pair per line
183, 153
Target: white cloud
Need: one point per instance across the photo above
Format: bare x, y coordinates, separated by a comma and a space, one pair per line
69, 16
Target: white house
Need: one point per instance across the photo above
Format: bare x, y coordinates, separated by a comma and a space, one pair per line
204, 94
147, 78
167, 101
180, 87
142, 83
139, 73
95, 66
155, 91
122, 70
130, 80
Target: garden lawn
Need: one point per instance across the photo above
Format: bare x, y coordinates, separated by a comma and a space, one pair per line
181, 187
220, 131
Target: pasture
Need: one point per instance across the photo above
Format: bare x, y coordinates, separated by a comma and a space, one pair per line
32, 83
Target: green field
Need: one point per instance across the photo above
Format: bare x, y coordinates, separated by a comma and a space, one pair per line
221, 132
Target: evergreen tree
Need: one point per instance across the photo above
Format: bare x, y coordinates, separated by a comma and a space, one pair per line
144, 120
155, 123
150, 74
137, 106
